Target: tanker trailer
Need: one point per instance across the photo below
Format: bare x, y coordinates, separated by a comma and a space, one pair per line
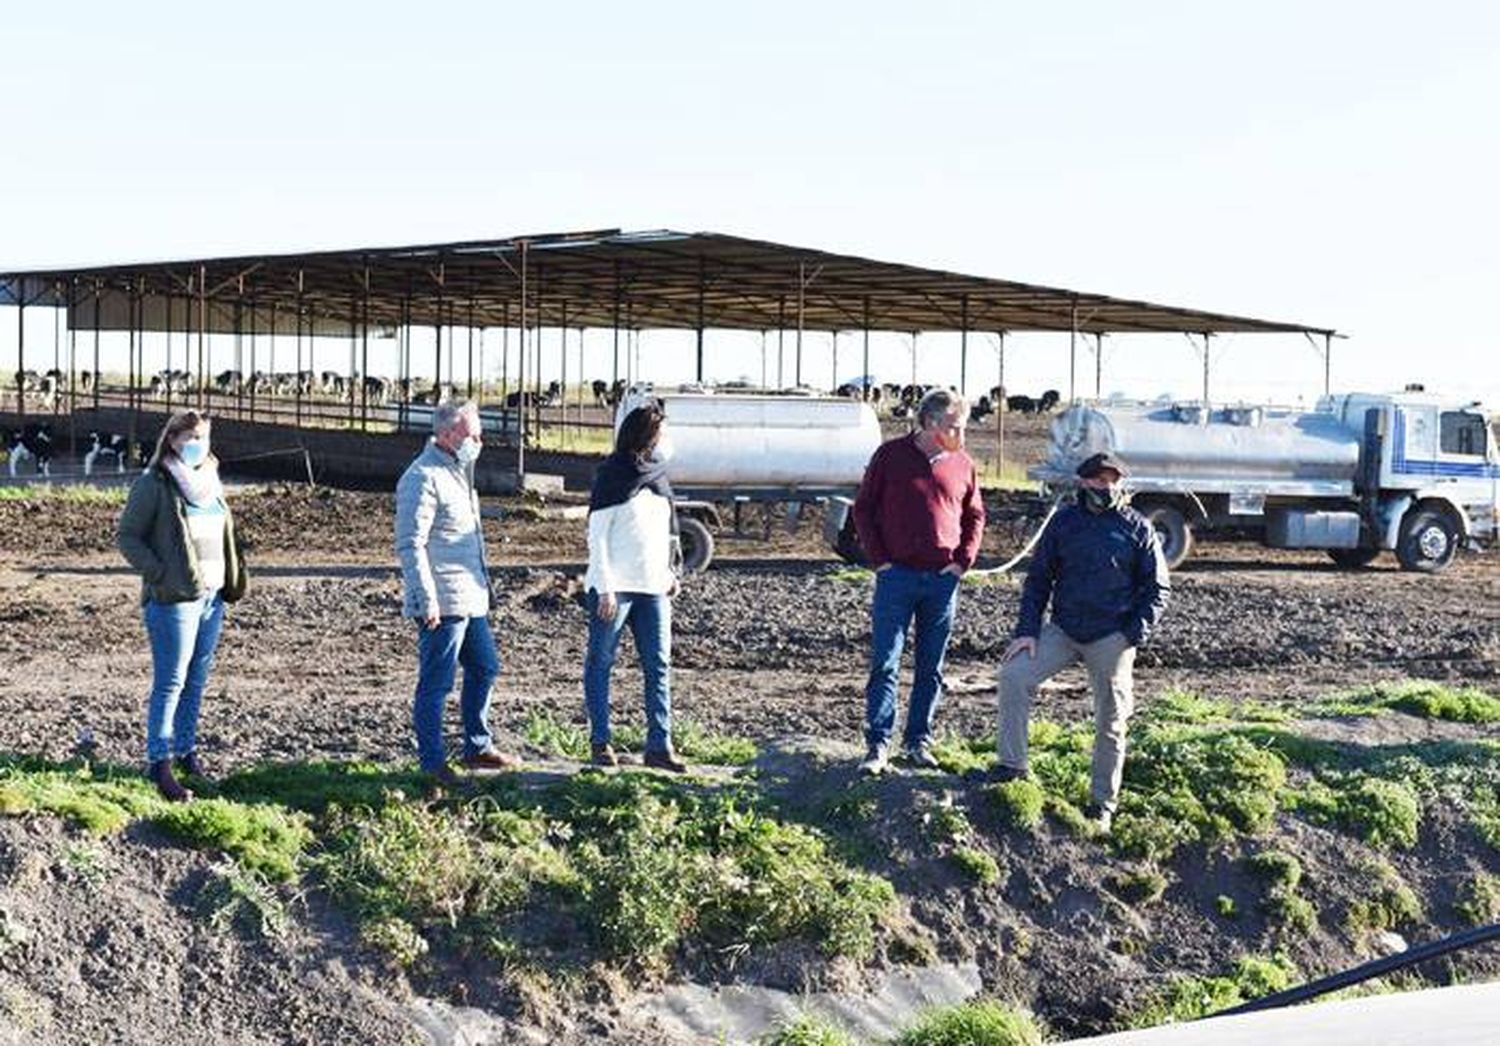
744, 449
1362, 473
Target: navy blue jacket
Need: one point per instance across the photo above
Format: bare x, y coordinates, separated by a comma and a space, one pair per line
1102, 573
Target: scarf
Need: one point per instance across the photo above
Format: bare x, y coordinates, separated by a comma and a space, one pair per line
622, 476
201, 485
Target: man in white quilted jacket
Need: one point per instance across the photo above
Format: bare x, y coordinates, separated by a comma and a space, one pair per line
630, 582
440, 544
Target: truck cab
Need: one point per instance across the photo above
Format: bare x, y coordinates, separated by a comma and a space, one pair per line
1430, 472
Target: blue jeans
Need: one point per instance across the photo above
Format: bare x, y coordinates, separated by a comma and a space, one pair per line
902, 594
455, 641
183, 639
650, 620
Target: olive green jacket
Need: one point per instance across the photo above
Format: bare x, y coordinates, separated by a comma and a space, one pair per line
153, 537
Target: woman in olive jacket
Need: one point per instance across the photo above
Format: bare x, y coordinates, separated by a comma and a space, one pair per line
177, 531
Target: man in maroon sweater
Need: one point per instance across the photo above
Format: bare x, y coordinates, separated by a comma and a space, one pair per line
920, 518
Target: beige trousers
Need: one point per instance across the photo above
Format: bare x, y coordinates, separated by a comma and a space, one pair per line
1109, 662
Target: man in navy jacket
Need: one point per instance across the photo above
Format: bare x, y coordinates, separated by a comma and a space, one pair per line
1099, 564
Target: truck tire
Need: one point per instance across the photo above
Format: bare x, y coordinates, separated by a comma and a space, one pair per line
848, 547
1352, 558
1428, 542
697, 544
1173, 530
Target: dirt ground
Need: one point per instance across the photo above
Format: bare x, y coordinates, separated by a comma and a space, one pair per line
770, 643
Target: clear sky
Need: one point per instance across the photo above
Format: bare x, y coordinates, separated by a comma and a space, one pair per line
1329, 163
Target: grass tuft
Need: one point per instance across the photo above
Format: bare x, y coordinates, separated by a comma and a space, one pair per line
1478, 900
972, 1024
807, 1030
1189, 998
977, 865
1019, 803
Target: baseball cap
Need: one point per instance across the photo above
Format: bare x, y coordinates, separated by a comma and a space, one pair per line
1097, 463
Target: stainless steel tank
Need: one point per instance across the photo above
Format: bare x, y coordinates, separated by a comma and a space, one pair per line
748, 441
1186, 447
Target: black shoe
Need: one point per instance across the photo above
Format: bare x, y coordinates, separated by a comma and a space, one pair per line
160, 774
192, 766
1002, 773
603, 755
665, 760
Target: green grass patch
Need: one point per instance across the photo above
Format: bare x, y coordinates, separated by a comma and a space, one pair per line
807, 1030
1189, 998
1478, 900
1384, 901
1278, 870
851, 575
266, 839
316, 785
1382, 812
1019, 803
972, 1024
73, 493
1423, 698
976, 865
690, 741
961, 755
1187, 784
633, 865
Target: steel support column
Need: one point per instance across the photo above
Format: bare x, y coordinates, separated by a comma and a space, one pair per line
963, 345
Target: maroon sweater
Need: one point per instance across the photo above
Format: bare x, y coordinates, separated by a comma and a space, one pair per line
920, 514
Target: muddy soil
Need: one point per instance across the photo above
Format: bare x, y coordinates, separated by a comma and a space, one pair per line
771, 641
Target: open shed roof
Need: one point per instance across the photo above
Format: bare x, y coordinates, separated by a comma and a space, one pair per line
648, 280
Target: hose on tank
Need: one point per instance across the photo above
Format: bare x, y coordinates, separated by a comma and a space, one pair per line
1009, 565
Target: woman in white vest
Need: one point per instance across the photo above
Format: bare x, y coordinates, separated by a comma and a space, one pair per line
631, 581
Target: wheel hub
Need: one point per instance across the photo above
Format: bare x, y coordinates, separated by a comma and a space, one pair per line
1433, 543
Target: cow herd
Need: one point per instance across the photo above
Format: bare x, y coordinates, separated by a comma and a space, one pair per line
901, 400
34, 445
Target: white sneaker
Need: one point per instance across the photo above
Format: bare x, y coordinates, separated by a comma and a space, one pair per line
877, 761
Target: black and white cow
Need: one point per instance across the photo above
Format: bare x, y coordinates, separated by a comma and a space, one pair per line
228, 382
34, 441
112, 446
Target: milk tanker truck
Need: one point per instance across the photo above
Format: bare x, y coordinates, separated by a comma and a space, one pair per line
1363, 472
743, 448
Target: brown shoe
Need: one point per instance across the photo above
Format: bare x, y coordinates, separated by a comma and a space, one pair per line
665, 760
604, 755
160, 774
491, 761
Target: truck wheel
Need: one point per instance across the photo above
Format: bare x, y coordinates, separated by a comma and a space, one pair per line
1173, 531
1352, 558
1428, 542
697, 544
848, 548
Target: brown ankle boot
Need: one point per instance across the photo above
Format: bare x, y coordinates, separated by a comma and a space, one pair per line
161, 776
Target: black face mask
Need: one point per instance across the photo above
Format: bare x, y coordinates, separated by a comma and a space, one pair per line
1099, 499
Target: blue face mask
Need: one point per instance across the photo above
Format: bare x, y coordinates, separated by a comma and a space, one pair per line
194, 452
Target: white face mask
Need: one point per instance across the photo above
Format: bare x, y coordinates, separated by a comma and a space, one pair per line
467, 452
